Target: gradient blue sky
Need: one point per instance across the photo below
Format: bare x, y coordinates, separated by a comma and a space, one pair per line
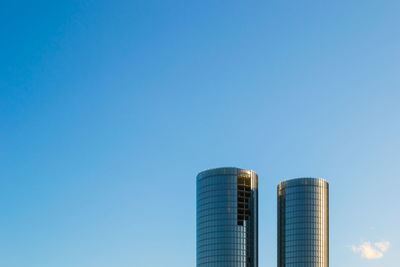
109, 109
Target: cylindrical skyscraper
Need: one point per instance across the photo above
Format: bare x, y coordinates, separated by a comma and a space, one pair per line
303, 223
227, 218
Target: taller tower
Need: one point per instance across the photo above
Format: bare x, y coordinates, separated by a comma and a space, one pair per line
227, 218
303, 223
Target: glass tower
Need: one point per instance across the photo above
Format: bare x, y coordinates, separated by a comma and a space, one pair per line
227, 218
303, 223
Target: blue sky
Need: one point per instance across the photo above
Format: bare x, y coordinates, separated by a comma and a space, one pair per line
109, 109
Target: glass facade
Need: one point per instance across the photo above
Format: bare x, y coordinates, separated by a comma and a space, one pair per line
303, 223
227, 218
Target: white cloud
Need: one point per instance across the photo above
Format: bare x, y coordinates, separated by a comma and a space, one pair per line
383, 246
371, 251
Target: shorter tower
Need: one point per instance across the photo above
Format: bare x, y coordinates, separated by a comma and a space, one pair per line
227, 218
303, 223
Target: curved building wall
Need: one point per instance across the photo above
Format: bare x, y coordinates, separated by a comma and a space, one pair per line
227, 218
303, 223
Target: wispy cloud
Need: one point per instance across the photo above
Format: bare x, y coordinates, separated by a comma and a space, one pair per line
383, 246
371, 251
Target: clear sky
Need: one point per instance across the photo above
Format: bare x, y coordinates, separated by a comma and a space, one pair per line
109, 109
